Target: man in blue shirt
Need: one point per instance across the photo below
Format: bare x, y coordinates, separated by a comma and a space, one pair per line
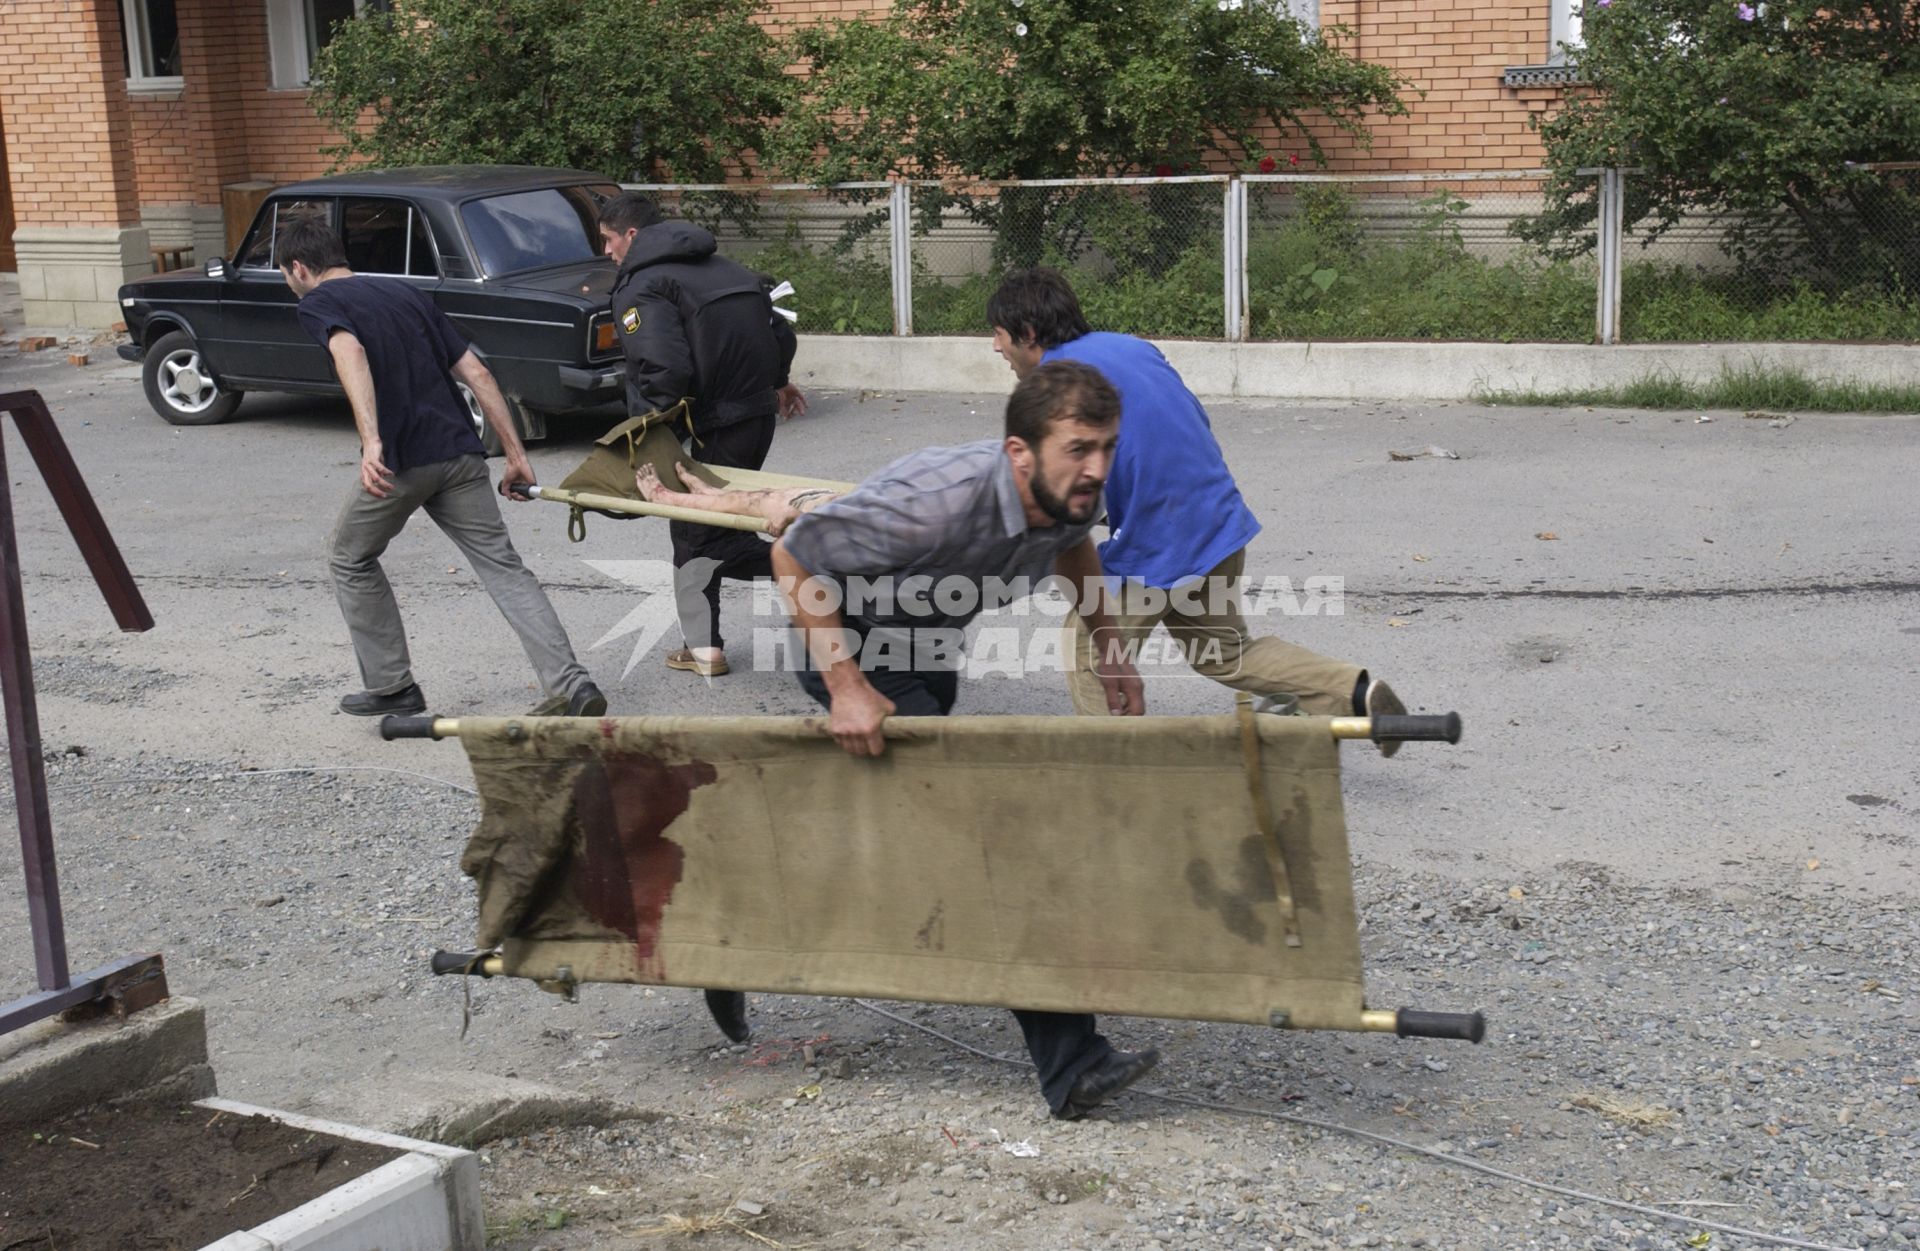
1179, 529
397, 356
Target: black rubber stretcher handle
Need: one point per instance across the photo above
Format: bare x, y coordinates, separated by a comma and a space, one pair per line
1413, 1023
469, 962
392, 727
1442, 728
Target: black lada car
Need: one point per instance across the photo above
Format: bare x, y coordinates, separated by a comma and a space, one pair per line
510, 253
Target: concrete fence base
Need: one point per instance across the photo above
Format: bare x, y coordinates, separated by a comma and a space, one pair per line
1370, 371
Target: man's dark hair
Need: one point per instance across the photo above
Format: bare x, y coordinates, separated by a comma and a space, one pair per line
1061, 391
310, 241
1037, 302
629, 211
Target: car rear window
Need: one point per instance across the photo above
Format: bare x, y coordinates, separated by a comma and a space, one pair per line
534, 229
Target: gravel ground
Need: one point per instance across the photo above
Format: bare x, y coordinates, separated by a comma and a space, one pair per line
1741, 1057
1673, 860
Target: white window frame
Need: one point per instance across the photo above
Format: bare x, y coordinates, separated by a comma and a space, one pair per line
133, 24
1565, 29
290, 40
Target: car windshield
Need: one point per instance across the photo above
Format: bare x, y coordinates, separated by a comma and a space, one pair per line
533, 229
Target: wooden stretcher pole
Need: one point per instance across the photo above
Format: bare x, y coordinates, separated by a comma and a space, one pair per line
1441, 728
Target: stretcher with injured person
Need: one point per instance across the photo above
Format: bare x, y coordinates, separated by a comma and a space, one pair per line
604, 482
1184, 867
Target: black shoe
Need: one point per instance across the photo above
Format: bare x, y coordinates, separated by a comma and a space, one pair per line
1106, 1079
587, 701
729, 1008
407, 699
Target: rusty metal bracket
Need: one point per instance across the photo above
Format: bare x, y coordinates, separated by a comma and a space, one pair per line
82, 515
117, 989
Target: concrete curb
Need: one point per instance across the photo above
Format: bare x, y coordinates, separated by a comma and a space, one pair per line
51, 1068
427, 1200
1359, 371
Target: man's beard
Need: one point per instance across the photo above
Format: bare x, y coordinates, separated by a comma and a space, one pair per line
1059, 507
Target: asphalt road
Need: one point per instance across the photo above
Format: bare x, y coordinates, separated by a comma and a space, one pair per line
1686, 650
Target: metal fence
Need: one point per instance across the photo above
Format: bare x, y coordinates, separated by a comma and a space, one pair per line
1436, 256
1839, 267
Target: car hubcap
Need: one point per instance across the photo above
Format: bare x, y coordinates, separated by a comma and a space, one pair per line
478, 418
184, 382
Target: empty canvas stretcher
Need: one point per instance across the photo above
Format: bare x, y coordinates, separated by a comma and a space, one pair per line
1184, 867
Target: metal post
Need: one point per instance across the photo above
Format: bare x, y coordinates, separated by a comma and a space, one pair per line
1612, 215
1619, 252
900, 254
1234, 259
29, 772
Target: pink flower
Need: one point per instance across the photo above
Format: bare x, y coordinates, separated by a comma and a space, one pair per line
1267, 165
1602, 4
1293, 158
1744, 12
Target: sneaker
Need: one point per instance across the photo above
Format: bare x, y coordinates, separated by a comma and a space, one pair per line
587, 700
403, 702
1382, 702
1106, 1079
683, 658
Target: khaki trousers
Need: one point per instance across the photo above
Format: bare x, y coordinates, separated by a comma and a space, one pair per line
458, 495
1212, 633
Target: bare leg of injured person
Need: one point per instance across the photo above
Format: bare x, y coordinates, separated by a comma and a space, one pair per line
778, 506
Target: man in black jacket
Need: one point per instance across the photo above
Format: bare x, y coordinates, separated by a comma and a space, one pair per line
696, 326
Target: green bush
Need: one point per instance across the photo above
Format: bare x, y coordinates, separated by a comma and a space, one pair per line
1667, 304
1301, 286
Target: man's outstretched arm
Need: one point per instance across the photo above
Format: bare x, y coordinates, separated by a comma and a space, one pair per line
471, 370
1080, 565
858, 710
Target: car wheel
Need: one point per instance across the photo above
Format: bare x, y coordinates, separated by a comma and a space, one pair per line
180, 386
488, 440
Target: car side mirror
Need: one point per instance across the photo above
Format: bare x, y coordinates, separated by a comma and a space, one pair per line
216, 267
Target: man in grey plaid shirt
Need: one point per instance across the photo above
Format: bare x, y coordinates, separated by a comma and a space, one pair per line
914, 554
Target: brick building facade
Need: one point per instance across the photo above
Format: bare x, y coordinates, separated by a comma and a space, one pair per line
125, 125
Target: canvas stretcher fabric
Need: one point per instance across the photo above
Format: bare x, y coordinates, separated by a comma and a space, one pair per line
654, 438
1057, 863
649, 439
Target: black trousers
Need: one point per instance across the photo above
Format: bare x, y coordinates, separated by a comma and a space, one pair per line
703, 555
1063, 1044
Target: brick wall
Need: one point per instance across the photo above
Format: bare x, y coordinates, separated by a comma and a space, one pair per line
228, 124
63, 92
1455, 52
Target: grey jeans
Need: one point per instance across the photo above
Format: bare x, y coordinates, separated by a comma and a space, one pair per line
458, 495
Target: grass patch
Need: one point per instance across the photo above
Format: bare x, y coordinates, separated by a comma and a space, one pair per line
1753, 388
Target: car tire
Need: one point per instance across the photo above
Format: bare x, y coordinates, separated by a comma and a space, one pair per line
490, 442
180, 386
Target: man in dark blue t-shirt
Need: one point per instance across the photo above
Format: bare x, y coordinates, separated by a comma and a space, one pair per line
397, 357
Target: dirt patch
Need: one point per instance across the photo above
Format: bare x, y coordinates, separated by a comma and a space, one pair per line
166, 1176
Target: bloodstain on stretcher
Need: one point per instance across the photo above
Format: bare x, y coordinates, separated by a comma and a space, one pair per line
624, 802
